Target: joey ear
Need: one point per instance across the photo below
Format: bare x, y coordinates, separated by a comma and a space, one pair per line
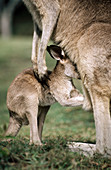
55, 52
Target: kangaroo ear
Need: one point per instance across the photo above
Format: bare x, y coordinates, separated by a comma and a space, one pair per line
56, 52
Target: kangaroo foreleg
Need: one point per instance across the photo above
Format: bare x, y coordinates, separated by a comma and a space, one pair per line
35, 43
48, 24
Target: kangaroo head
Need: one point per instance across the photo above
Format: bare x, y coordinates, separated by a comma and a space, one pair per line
57, 53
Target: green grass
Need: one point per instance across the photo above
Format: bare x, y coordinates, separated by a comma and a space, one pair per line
62, 124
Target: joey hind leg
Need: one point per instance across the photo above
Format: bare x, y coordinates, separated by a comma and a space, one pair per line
32, 118
41, 118
13, 127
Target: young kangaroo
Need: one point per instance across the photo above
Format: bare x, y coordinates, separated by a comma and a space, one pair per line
28, 101
83, 29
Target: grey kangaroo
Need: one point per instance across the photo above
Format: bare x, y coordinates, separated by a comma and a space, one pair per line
28, 101
83, 29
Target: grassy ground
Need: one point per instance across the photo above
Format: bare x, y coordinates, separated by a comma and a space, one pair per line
62, 123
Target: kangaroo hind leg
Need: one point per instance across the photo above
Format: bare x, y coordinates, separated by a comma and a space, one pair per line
102, 116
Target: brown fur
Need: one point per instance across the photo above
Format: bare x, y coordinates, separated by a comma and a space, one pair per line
83, 29
28, 101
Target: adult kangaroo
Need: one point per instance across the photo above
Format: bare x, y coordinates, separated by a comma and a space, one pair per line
83, 29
